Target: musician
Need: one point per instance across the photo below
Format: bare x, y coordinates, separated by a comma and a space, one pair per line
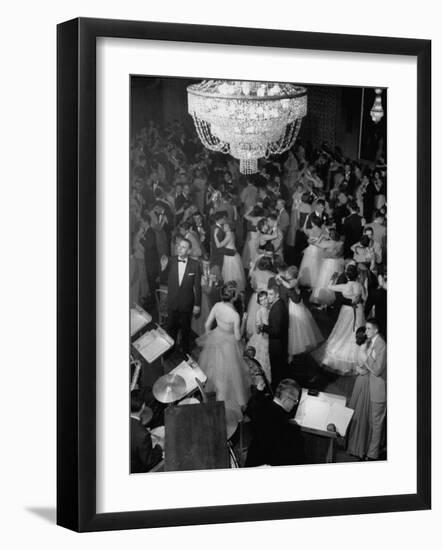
275, 441
143, 457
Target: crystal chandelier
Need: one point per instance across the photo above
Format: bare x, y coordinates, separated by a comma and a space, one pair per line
377, 112
248, 120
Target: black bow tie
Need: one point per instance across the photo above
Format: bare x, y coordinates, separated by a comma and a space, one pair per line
184, 261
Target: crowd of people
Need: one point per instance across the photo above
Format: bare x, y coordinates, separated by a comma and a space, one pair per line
246, 259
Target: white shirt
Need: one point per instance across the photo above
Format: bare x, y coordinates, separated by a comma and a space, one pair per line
181, 269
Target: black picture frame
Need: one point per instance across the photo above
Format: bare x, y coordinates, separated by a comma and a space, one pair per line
76, 273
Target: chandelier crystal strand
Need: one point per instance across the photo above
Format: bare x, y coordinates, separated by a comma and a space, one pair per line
249, 120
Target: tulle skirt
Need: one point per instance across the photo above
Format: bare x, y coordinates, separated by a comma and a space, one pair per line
227, 374
321, 294
340, 352
261, 344
233, 270
304, 333
359, 430
310, 266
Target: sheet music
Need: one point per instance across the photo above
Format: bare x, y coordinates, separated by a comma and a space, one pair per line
153, 344
340, 416
317, 412
138, 319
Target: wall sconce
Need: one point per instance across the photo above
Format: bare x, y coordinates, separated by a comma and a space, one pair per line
377, 112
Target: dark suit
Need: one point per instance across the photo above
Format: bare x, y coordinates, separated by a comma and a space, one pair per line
277, 329
142, 456
323, 217
182, 298
274, 440
352, 230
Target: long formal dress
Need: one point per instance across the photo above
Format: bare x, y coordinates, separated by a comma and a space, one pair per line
340, 352
260, 341
359, 431
233, 269
221, 360
311, 261
332, 262
304, 333
259, 280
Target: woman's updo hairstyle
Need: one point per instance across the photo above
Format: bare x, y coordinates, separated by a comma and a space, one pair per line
228, 292
262, 222
334, 235
361, 336
292, 271
365, 241
265, 264
351, 272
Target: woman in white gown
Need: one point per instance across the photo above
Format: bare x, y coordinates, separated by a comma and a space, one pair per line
312, 255
332, 262
259, 280
304, 333
232, 269
340, 352
221, 357
260, 340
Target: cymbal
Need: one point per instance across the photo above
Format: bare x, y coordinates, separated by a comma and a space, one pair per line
169, 388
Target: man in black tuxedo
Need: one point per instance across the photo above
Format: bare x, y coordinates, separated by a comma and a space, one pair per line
277, 329
352, 229
275, 441
143, 457
217, 253
319, 211
183, 276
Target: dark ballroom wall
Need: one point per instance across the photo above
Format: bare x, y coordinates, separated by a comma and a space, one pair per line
333, 112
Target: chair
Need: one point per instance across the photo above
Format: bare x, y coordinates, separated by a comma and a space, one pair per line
161, 300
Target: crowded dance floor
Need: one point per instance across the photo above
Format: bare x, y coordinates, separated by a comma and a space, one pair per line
269, 286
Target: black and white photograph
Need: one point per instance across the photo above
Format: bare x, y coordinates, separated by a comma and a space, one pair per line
258, 274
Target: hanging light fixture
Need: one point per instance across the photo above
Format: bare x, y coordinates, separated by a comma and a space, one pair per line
377, 112
248, 120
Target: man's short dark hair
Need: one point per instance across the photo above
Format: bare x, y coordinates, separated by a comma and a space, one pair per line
373, 321
273, 217
321, 202
353, 205
181, 239
136, 401
220, 215
275, 288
